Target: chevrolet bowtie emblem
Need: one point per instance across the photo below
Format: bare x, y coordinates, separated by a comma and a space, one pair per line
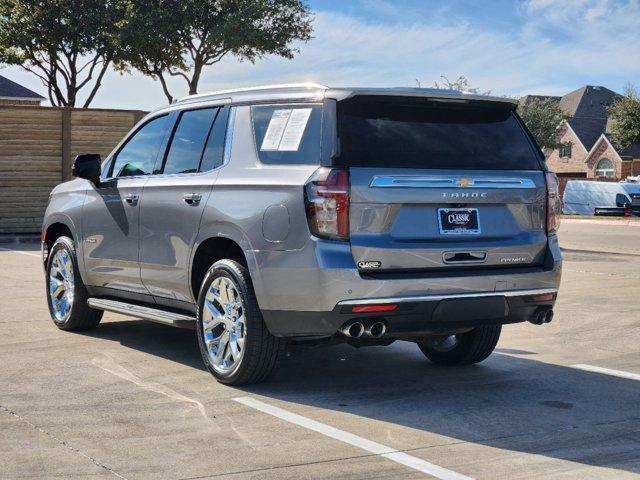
465, 182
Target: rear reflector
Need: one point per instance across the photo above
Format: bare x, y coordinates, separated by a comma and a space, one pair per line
547, 297
373, 308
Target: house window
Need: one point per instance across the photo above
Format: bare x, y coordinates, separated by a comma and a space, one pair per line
565, 150
605, 168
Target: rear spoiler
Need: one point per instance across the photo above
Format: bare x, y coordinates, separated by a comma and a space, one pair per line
453, 96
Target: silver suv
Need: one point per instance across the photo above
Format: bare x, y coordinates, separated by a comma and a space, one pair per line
302, 213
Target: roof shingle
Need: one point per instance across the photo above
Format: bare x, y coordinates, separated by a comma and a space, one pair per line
11, 89
587, 107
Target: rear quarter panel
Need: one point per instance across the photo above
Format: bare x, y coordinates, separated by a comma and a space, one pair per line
260, 207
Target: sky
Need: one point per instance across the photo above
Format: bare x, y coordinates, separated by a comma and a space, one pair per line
508, 47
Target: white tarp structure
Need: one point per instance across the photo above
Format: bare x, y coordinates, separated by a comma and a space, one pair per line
581, 197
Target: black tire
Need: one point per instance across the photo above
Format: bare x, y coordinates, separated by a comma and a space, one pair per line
471, 347
261, 351
79, 317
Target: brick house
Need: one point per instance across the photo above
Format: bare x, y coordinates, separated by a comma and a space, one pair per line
12, 93
586, 148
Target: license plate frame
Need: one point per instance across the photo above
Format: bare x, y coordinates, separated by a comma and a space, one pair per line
459, 226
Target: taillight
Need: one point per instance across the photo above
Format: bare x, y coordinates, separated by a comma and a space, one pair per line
327, 203
554, 203
388, 307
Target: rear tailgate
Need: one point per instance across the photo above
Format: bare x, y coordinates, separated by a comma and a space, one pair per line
400, 218
441, 186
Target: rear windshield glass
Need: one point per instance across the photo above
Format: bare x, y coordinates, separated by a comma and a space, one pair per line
430, 135
288, 134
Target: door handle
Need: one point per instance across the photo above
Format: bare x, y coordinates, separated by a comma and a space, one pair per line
464, 257
192, 199
131, 198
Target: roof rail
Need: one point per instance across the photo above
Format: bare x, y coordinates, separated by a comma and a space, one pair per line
277, 86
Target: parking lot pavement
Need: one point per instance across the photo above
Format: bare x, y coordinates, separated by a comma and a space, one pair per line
131, 399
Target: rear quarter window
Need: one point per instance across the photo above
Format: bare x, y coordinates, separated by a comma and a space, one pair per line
434, 136
287, 134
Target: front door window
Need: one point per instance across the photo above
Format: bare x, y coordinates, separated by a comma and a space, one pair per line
138, 155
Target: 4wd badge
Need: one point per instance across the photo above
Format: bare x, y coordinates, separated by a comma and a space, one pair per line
369, 264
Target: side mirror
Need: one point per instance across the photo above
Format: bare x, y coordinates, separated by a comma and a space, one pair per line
87, 166
622, 200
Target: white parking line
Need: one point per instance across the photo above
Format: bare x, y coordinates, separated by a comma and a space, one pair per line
607, 371
346, 437
588, 368
31, 254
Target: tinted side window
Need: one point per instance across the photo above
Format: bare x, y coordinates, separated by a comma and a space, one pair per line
214, 150
288, 134
188, 141
138, 155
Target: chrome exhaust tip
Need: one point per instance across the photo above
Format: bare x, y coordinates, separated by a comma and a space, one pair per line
352, 330
376, 329
542, 316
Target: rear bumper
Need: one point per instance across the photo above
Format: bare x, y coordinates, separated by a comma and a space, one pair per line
305, 292
418, 315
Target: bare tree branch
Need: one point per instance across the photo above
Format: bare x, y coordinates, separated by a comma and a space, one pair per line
97, 84
96, 60
90, 62
213, 59
174, 73
160, 77
45, 80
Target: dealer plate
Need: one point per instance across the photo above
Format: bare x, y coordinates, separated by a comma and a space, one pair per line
458, 221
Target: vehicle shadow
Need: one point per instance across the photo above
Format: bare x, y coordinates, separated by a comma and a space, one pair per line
176, 344
513, 403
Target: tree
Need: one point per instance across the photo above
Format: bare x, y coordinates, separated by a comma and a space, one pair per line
192, 34
625, 112
542, 117
461, 84
69, 44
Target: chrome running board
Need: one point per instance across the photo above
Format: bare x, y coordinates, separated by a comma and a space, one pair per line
146, 313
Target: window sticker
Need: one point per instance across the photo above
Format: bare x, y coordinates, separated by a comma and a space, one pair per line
285, 130
276, 127
295, 129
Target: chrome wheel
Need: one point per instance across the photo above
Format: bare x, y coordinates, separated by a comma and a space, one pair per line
444, 343
224, 325
61, 285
